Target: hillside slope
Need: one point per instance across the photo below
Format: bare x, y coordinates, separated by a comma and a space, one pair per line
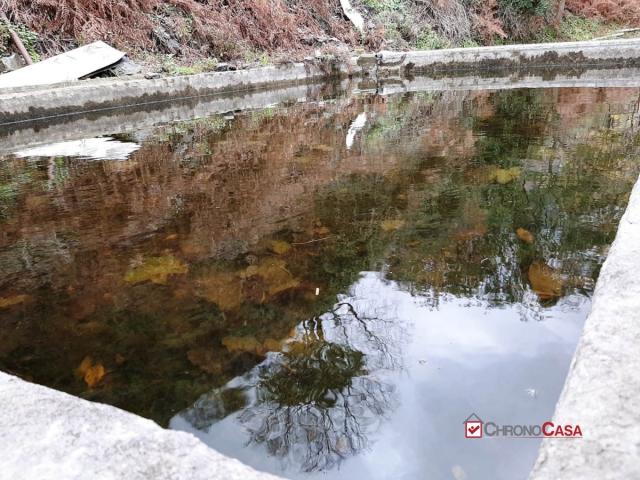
202, 32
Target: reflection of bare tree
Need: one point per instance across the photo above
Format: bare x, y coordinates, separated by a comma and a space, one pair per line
318, 401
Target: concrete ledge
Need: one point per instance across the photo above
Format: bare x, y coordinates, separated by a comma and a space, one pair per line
574, 58
565, 55
602, 391
46, 434
75, 126
31, 103
133, 118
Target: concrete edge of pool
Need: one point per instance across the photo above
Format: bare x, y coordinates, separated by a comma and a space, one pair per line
30, 103
47, 434
602, 390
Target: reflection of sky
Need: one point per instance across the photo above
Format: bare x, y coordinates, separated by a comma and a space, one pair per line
459, 359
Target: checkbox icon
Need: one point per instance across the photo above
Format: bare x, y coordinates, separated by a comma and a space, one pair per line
473, 427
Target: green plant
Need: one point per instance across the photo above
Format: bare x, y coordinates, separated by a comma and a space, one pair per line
28, 37
469, 43
534, 7
261, 58
170, 66
4, 38
430, 40
383, 5
575, 28
30, 40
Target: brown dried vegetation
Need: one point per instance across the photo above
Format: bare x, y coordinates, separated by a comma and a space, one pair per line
223, 28
624, 12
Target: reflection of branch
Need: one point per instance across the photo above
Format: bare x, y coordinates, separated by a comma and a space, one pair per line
316, 403
311, 241
314, 438
380, 345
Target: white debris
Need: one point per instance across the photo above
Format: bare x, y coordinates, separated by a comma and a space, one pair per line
458, 473
355, 127
353, 15
66, 67
100, 148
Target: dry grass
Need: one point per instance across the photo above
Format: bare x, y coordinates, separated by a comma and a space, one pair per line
623, 12
224, 28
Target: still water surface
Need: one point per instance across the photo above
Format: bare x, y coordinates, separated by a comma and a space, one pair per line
324, 289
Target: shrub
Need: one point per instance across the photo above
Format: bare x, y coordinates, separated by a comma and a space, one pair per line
624, 12
224, 28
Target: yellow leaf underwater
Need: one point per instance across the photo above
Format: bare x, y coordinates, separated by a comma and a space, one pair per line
545, 281
84, 366
6, 302
92, 374
392, 224
321, 231
251, 345
505, 175
525, 235
222, 288
256, 283
275, 274
280, 247
156, 270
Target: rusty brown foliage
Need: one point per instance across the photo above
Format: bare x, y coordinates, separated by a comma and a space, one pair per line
225, 28
624, 12
486, 22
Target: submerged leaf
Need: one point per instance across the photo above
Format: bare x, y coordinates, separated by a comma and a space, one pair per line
251, 345
6, 302
545, 281
222, 288
321, 231
156, 270
275, 275
84, 366
280, 247
505, 175
525, 235
94, 375
392, 224
240, 344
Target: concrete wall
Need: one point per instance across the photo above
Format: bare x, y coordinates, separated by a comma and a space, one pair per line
92, 95
16, 136
602, 391
574, 56
571, 58
49, 435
